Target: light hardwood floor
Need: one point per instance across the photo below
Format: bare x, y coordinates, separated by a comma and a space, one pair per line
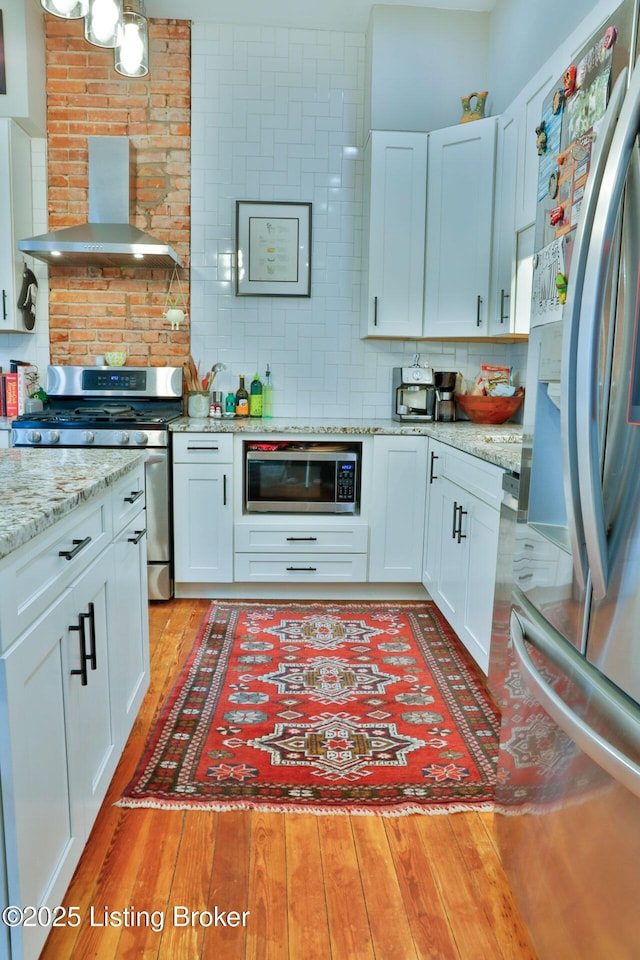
315, 887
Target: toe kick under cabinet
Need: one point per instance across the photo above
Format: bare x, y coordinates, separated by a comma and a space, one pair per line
73, 669
461, 542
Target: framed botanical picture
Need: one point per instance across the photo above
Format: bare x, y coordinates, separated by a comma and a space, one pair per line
273, 249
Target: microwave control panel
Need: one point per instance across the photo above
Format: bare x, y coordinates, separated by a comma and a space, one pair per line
346, 481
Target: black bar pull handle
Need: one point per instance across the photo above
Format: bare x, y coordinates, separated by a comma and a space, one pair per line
224, 489
78, 546
134, 495
301, 539
478, 309
455, 520
461, 513
433, 476
375, 311
82, 670
91, 617
301, 569
139, 534
503, 296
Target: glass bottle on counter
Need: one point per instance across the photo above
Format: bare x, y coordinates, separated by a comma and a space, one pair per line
242, 399
230, 404
255, 397
267, 395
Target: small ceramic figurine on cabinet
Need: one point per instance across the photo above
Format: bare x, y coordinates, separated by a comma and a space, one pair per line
475, 112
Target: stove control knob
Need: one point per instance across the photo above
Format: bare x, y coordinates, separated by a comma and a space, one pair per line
88, 436
53, 436
34, 436
141, 437
123, 437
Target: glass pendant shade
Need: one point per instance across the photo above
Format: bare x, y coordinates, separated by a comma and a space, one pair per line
131, 55
103, 22
69, 9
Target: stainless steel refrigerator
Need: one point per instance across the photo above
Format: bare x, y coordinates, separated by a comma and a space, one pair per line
568, 820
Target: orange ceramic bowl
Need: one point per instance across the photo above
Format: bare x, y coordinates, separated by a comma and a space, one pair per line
489, 409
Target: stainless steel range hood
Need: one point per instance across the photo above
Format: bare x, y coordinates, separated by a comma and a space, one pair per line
108, 239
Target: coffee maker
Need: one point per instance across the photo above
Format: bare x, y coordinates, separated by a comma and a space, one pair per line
445, 384
413, 392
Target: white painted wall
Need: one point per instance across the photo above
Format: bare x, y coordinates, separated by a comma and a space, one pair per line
278, 114
422, 62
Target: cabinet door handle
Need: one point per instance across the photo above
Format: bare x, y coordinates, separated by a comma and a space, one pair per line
133, 496
91, 617
78, 546
4, 304
503, 296
455, 520
224, 489
461, 513
301, 539
478, 309
375, 311
82, 670
209, 449
432, 475
301, 569
139, 534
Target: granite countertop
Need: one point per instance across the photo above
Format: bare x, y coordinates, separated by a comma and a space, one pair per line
499, 444
39, 487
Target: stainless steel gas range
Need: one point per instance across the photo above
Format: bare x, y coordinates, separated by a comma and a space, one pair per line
117, 407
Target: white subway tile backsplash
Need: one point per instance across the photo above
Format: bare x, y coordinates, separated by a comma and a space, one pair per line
278, 114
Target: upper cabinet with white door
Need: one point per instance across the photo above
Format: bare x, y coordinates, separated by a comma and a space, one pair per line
394, 229
460, 189
16, 217
502, 291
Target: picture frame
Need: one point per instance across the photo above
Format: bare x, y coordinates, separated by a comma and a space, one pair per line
273, 249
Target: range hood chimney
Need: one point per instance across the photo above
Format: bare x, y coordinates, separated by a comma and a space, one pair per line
108, 239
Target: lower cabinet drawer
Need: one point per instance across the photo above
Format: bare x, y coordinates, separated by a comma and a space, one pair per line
300, 568
346, 537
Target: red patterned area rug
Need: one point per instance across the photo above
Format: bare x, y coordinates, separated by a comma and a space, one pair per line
357, 707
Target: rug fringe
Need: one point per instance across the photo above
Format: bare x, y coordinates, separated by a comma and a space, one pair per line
406, 810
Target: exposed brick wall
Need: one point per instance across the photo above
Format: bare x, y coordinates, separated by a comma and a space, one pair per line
92, 310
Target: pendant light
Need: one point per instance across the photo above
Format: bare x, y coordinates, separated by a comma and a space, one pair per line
69, 9
103, 22
131, 55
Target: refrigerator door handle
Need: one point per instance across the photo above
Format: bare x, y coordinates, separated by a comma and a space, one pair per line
594, 302
619, 766
568, 405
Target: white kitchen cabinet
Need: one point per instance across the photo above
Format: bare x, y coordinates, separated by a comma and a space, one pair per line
128, 607
501, 317
460, 189
528, 108
397, 508
461, 543
203, 508
301, 550
16, 217
90, 724
72, 630
394, 232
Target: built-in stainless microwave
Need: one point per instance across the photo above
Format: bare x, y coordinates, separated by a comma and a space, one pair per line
289, 477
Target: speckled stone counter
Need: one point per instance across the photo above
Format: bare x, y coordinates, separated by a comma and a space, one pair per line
499, 444
39, 487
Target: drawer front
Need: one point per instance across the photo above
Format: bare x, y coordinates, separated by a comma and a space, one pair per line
334, 538
41, 569
482, 479
128, 498
300, 568
202, 448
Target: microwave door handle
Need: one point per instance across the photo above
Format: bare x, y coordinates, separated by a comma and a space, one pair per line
568, 404
619, 766
589, 442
